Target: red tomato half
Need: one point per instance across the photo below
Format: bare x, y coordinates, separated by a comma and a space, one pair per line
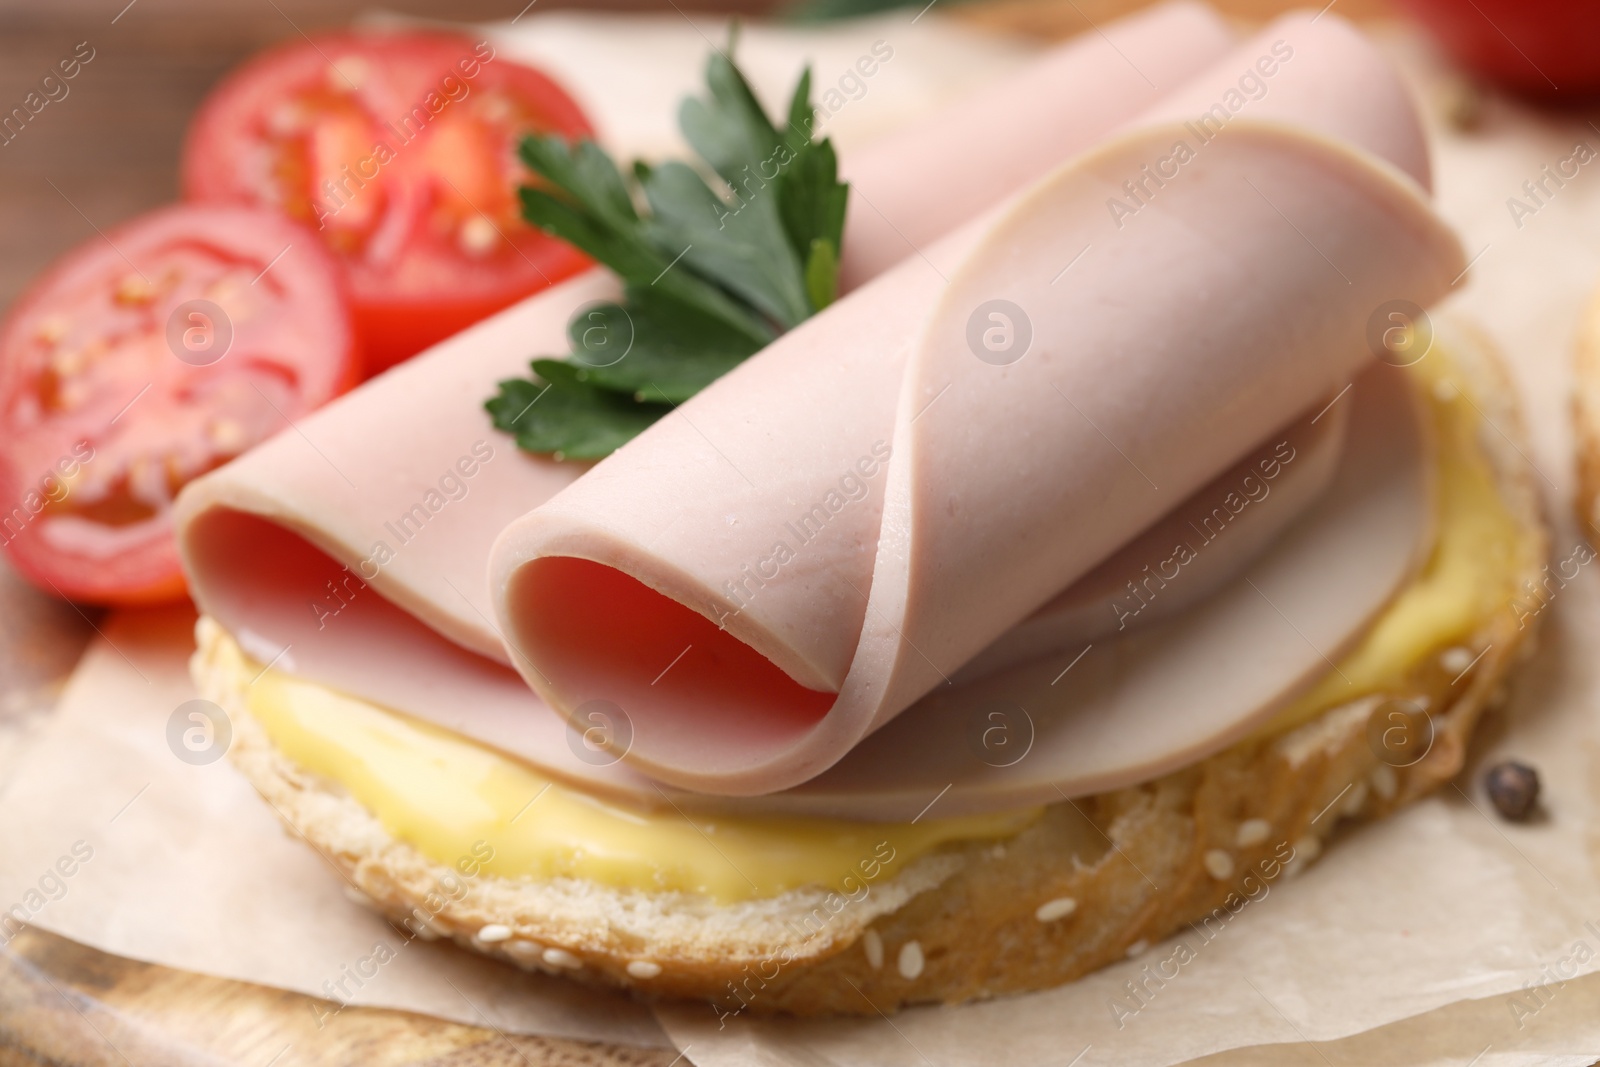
1542, 48
141, 360
401, 150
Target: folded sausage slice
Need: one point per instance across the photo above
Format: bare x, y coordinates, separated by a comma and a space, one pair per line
1018, 402
353, 548
1150, 579
920, 182
1127, 707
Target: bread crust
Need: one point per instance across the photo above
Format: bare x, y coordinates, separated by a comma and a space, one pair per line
1586, 417
977, 920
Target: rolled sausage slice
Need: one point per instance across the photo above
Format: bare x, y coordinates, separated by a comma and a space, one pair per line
353, 548
921, 182
827, 534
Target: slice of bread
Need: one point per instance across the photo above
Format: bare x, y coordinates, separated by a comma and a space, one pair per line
1093, 881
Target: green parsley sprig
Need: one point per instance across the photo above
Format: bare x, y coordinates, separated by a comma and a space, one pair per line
711, 273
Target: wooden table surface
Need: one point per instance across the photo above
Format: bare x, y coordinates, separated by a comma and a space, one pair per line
102, 154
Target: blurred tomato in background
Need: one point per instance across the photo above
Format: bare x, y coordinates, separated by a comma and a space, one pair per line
1548, 49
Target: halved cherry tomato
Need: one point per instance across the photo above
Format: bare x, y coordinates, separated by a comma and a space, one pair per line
143, 359
400, 148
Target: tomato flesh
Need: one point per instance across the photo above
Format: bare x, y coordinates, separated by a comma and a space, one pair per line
139, 362
400, 149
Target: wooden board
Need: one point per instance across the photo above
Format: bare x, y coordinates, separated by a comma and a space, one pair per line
64, 1004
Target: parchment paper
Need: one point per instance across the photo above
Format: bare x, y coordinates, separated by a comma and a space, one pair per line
182, 864
1423, 935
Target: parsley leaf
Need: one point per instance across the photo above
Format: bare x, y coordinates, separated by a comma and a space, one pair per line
564, 417
810, 194
597, 217
822, 273
653, 347
715, 263
743, 249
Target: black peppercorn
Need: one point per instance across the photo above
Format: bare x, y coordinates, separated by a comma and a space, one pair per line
1514, 788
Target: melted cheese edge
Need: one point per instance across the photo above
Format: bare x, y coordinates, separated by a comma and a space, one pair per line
1469, 576
468, 806
465, 805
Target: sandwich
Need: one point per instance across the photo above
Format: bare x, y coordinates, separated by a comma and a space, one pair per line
1125, 527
